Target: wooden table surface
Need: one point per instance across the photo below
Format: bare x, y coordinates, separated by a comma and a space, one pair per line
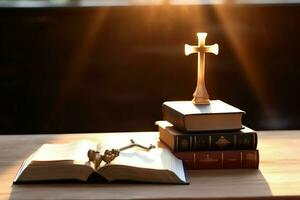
278, 175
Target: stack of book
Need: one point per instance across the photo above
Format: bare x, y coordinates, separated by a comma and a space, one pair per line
208, 136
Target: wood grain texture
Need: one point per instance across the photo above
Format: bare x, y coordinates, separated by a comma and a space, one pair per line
277, 177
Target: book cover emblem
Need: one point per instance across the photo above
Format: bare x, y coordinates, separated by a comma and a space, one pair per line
222, 142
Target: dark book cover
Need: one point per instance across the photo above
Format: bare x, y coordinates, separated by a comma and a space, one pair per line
179, 141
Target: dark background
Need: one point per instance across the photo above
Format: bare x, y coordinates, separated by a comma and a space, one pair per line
76, 69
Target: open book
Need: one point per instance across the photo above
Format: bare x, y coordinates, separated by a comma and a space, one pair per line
59, 162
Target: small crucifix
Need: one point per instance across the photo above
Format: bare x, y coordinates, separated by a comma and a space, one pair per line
200, 94
110, 155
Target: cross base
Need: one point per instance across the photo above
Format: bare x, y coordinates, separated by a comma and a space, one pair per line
200, 100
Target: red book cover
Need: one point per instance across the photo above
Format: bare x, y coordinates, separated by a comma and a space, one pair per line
219, 159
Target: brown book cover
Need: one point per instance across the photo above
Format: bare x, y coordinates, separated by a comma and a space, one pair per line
219, 159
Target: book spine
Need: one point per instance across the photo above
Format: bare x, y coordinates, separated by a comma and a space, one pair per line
174, 117
227, 141
219, 159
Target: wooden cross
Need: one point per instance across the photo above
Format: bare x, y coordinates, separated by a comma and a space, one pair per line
200, 94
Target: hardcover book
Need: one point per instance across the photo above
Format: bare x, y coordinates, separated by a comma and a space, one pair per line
217, 115
219, 159
179, 141
65, 162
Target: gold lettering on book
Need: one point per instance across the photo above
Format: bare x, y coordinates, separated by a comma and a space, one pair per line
222, 142
208, 159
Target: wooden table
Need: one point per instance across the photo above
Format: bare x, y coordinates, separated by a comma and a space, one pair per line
278, 175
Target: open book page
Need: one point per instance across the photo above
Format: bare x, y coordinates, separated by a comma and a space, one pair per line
58, 162
144, 164
70, 161
76, 152
155, 159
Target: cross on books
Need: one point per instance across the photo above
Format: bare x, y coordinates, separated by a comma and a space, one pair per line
200, 94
